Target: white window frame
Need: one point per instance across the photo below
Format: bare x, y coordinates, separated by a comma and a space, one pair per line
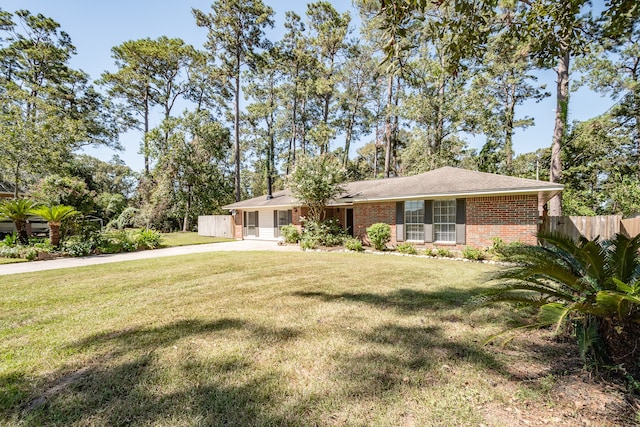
414, 220
444, 221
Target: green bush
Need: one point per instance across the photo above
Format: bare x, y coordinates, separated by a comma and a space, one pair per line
77, 246
10, 240
444, 253
430, 252
353, 244
324, 233
473, 253
113, 242
379, 235
406, 248
501, 250
147, 238
290, 233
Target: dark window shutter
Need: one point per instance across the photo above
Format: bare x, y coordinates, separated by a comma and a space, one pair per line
399, 221
244, 223
257, 224
289, 217
428, 221
461, 219
276, 230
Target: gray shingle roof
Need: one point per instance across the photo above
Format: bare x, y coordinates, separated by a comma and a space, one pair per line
6, 187
443, 182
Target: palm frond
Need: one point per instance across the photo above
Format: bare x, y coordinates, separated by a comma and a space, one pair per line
622, 258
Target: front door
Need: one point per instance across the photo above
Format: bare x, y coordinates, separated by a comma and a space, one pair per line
350, 222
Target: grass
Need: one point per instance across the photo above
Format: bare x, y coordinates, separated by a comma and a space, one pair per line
256, 339
189, 238
11, 260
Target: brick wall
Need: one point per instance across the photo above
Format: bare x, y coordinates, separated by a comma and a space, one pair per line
365, 214
237, 225
511, 218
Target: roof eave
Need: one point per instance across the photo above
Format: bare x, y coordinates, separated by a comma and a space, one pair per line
513, 192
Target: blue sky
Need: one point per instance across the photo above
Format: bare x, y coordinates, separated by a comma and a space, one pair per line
96, 26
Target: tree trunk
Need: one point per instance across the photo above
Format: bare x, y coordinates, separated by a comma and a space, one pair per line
23, 236
185, 223
562, 106
236, 136
388, 133
145, 143
54, 234
508, 137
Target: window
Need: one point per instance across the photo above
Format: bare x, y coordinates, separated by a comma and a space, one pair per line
414, 220
280, 219
444, 221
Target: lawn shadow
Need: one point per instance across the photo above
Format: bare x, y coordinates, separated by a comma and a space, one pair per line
126, 394
404, 300
398, 352
119, 386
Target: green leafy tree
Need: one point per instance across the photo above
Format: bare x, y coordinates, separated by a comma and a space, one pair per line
55, 215
150, 72
235, 33
18, 211
328, 32
47, 109
315, 181
190, 175
595, 285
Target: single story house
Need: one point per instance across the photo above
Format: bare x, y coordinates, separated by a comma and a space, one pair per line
6, 190
445, 207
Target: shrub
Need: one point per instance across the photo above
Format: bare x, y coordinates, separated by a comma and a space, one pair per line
430, 252
290, 233
406, 248
444, 253
147, 239
379, 235
77, 246
10, 240
594, 285
473, 253
324, 233
116, 241
353, 244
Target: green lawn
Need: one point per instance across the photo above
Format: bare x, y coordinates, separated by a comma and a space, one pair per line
190, 238
265, 339
11, 260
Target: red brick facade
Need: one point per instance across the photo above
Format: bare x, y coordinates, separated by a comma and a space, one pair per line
366, 214
511, 218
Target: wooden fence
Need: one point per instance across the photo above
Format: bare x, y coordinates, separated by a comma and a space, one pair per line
215, 226
630, 226
588, 226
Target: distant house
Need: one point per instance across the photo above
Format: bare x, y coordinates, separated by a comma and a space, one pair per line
444, 207
6, 190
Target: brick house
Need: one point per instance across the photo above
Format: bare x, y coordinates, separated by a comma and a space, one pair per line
445, 207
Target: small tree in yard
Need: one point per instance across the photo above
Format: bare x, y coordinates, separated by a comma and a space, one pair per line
54, 215
315, 181
18, 211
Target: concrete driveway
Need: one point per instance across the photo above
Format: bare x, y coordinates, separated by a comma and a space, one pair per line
55, 264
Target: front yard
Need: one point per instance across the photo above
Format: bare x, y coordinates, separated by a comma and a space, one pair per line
280, 339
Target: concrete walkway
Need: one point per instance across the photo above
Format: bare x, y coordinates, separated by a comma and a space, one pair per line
55, 264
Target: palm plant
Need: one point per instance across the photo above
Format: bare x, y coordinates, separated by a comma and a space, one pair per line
18, 211
595, 285
54, 215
